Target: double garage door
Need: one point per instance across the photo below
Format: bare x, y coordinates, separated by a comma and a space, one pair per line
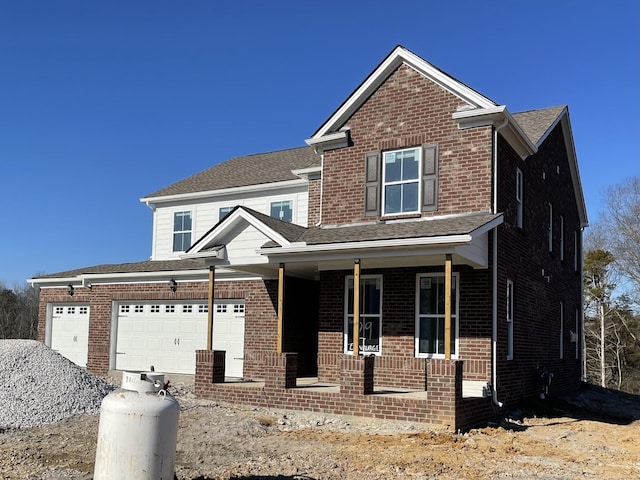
162, 335
166, 335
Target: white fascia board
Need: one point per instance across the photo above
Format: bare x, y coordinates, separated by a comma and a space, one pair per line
500, 118
372, 244
88, 279
330, 141
309, 173
229, 223
262, 187
573, 168
379, 75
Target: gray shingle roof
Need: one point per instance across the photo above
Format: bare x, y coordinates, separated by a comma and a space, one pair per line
242, 171
440, 227
535, 123
135, 267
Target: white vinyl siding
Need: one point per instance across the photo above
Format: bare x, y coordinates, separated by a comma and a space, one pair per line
206, 213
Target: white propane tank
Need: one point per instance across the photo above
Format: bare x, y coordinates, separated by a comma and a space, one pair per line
138, 430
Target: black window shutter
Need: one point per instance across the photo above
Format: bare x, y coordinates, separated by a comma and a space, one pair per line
372, 193
429, 178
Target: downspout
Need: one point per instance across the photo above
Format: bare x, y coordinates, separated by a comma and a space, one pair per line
583, 363
494, 330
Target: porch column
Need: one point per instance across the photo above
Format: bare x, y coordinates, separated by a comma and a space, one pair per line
447, 307
212, 278
280, 306
356, 307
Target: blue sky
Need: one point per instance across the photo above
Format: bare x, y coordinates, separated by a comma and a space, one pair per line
102, 103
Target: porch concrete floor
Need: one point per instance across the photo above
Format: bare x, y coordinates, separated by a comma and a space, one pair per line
312, 384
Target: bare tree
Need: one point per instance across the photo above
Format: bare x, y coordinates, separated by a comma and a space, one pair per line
620, 227
598, 286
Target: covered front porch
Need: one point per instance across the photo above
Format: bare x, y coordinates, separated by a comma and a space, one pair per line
438, 402
391, 371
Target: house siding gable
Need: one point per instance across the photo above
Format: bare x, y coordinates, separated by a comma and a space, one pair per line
408, 110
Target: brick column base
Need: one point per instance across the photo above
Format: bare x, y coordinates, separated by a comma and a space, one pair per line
357, 374
209, 367
444, 387
281, 370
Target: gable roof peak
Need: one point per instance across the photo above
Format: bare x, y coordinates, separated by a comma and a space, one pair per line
398, 56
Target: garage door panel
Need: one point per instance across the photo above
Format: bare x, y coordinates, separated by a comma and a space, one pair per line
163, 335
70, 332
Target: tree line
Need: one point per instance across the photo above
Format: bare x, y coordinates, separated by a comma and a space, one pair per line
18, 311
612, 291
611, 336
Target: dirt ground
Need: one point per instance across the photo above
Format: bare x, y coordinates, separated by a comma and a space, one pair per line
595, 434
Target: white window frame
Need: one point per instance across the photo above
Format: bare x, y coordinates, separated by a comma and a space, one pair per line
455, 282
220, 215
283, 200
363, 316
561, 330
550, 227
575, 251
519, 189
510, 310
182, 232
418, 180
577, 335
561, 238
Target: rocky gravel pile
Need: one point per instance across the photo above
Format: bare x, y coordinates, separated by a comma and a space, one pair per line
40, 386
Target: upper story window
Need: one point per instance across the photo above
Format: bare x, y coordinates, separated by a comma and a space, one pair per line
430, 306
550, 227
404, 182
223, 212
181, 231
282, 210
401, 178
519, 198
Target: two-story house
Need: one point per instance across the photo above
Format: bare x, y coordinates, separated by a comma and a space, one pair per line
460, 223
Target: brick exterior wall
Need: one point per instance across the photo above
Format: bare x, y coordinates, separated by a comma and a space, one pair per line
260, 316
397, 366
409, 110
523, 254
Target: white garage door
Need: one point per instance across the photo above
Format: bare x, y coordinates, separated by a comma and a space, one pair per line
163, 335
166, 335
228, 335
70, 332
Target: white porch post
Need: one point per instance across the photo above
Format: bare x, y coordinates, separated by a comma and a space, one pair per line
280, 306
212, 278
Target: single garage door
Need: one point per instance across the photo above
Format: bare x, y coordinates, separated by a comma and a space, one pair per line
70, 332
166, 335
228, 335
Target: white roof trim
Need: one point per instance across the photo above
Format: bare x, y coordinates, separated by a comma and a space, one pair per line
262, 187
500, 118
573, 168
234, 218
362, 245
397, 57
